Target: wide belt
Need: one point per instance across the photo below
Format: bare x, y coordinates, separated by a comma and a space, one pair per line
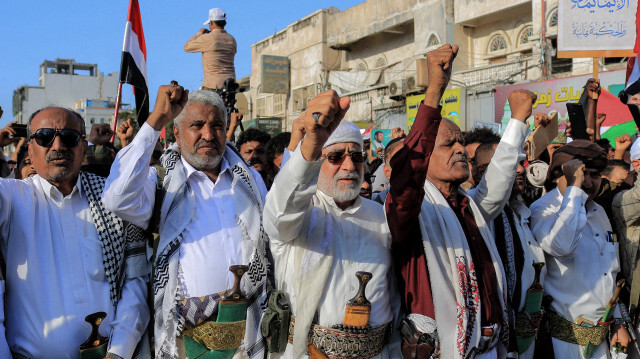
218, 335
569, 332
18, 356
527, 324
336, 343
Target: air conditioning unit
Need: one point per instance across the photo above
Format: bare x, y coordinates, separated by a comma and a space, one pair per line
409, 84
395, 88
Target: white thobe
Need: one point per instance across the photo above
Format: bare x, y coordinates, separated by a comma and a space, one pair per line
56, 277
361, 240
212, 240
582, 261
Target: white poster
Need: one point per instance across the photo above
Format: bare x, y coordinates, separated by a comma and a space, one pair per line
596, 24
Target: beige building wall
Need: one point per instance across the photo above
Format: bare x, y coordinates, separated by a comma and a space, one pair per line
369, 53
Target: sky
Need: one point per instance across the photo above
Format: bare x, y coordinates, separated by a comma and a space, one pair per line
92, 32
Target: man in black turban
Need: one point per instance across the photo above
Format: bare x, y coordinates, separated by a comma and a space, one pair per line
580, 253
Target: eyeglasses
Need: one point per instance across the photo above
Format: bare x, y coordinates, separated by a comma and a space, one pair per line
45, 136
338, 157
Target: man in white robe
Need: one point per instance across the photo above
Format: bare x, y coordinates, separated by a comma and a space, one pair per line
582, 258
59, 266
322, 232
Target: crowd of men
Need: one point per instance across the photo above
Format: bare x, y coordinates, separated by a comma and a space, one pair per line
446, 244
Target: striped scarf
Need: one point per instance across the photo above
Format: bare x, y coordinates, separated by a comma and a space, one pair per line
255, 284
124, 245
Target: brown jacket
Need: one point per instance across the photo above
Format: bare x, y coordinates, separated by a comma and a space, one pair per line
218, 51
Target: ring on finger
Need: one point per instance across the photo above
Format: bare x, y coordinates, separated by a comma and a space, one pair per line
174, 83
316, 116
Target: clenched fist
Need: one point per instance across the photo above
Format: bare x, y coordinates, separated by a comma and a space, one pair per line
574, 172
521, 102
169, 103
439, 65
323, 115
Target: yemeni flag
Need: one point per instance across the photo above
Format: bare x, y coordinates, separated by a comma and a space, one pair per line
133, 67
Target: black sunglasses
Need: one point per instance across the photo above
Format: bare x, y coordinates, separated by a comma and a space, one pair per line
338, 157
45, 136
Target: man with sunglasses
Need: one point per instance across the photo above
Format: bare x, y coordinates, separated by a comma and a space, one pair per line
67, 257
208, 212
322, 232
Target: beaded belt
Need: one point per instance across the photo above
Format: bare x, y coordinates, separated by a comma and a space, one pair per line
217, 335
336, 343
569, 332
527, 324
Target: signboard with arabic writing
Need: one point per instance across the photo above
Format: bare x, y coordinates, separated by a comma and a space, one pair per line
270, 125
275, 74
450, 103
596, 25
553, 95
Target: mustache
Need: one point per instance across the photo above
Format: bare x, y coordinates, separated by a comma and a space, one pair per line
255, 161
59, 155
353, 176
459, 157
201, 143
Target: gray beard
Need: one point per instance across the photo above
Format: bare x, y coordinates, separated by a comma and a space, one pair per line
340, 192
202, 163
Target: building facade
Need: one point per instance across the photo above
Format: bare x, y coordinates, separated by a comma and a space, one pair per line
67, 83
374, 53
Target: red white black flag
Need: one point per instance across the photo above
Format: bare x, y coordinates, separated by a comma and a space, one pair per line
133, 67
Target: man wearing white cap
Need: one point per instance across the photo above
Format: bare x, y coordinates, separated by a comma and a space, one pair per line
626, 223
218, 49
321, 233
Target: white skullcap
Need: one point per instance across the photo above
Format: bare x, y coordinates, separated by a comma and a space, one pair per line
345, 132
635, 150
635, 153
537, 173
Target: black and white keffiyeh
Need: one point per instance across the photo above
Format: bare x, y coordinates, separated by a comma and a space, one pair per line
255, 284
124, 245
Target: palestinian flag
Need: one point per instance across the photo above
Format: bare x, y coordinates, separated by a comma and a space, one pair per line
619, 119
133, 67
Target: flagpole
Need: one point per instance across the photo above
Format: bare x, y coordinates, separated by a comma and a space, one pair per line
115, 116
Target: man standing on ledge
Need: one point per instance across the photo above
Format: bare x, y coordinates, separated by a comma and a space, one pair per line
218, 49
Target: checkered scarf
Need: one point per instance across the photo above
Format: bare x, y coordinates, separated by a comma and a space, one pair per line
124, 245
255, 284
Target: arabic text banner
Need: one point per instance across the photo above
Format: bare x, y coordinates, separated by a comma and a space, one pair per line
553, 95
590, 25
450, 102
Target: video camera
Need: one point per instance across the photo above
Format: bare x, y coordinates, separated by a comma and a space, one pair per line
228, 93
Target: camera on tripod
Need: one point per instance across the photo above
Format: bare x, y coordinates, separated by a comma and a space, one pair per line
228, 93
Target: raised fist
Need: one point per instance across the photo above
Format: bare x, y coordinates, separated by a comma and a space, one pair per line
593, 88
439, 65
521, 102
169, 103
100, 134
125, 132
323, 115
574, 172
